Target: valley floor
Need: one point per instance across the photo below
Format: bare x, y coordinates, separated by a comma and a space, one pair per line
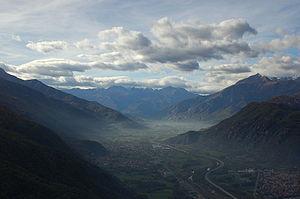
159, 171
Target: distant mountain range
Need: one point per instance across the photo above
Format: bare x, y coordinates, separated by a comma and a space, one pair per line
225, 103
143, 102
64, 113
36, 163
271, 127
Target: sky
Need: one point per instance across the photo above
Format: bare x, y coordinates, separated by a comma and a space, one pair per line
199, 45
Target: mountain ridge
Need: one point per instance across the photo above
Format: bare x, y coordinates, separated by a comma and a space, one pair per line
272, 126
228, 101
140, 102
63, 113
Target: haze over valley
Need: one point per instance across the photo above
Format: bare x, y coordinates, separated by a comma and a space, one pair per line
149, 99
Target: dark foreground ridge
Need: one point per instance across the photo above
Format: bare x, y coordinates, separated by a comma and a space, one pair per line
35, 163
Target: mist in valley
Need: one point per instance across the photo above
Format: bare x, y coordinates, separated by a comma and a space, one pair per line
157, 99
157, 130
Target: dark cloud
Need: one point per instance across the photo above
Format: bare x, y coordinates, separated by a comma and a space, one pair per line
228, 68
187, 65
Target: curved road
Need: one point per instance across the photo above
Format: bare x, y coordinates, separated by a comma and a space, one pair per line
220, 164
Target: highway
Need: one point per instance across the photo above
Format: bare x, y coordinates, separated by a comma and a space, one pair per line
219, 164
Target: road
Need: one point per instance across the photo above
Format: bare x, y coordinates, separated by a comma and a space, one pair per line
188, 185
256, 184
219, 164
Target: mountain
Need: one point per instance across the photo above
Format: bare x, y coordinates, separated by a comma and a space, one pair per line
36, 163
89, 149
143, 102
64, 113
271, 127
225, 103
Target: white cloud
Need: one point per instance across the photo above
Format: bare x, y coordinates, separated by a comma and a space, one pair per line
66, 73
82, 81
279, 44
58, 77
47, 46
84, 44
114, 61
16, 37
175, 81
94, 82
278, 66
118, 38
7, 67
52, 67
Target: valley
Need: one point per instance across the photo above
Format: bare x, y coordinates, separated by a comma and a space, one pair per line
154, 157
156, 170
156, 99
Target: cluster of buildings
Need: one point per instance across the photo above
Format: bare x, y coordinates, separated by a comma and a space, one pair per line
279, 184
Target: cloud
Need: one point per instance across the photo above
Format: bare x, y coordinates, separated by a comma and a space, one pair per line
16, 38
105, 82
215, 81
53, 67
182, 45
183, 34
81, 81
174, 81
66, 73
7, 67
279, 44
208, 49
219, 76
278, 66
46, 68
187, 65
123, 39
53, 76
234, 68
120, 66
84, 44
47, 46
113, 61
